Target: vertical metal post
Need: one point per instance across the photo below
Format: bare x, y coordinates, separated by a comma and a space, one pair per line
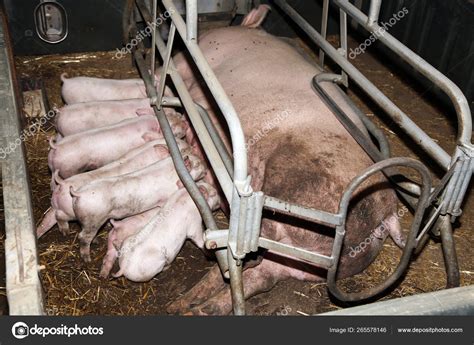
324, 30
166, 63
236, 284
153, 40
343, 37
191, 20
374, 12
449, 253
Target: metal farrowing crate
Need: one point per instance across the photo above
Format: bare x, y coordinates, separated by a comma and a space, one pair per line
434, 208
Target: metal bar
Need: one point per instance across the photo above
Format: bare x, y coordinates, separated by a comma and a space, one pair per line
374, 12
348, 124
294, 252
452, 90
356, 133
23, 285
236, 285
218, 238
217, 165
448, 192
464, 177
166, 63
399, 117
217, 140
411, 238
257, 221
194, 116
191, 20
171, 102
373, 129
317, 216
153, 39
458, 301
467, 180
233, 122
324, 29
240, 177
243, 214
449, 253
432, 219
343, 36
175, 153
183, 173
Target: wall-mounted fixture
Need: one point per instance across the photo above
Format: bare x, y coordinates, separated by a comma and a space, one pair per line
51, 21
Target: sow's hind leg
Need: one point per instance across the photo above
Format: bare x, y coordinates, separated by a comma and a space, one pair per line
210, 284
257, 279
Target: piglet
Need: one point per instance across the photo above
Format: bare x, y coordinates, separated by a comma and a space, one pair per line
61, 210
123, 196
152, 249
88, 89
80, 117
122, 229
96, 147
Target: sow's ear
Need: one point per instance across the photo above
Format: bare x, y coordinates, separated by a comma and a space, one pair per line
256, 16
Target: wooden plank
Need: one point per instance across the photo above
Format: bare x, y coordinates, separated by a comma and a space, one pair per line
24, 290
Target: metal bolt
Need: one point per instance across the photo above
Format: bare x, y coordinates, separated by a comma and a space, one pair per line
212, 245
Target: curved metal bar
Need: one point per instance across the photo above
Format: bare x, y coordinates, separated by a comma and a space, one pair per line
396, 114
452, 90
354, 131
175, 153
230, 115
372, 128
423, 202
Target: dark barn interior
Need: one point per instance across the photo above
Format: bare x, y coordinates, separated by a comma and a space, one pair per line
440, 32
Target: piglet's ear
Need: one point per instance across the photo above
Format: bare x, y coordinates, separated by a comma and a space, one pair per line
162, 150
204, 192
187, 162
145, 111
150, 136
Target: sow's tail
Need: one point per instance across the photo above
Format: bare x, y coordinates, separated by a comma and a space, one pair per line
256, 16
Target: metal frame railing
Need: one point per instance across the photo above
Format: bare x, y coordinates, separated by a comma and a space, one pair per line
23, 283
243, 235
